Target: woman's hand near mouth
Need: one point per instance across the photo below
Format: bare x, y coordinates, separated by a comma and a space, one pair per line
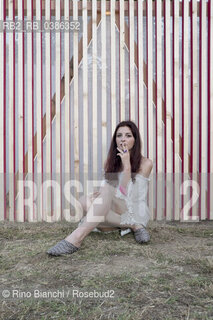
125, 157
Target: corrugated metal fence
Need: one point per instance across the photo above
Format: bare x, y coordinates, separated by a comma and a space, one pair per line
63, 90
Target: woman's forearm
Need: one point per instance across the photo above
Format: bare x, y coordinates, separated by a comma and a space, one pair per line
126, 177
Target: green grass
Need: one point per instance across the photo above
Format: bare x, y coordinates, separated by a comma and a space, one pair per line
168, 279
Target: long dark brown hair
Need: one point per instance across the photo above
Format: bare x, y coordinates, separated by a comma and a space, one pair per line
113, 163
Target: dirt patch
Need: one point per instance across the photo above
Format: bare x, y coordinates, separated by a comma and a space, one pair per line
170, 278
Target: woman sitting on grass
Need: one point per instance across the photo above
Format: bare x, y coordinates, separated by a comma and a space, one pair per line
122, 194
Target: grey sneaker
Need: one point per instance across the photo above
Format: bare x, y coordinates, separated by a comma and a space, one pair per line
142, 235
62, 247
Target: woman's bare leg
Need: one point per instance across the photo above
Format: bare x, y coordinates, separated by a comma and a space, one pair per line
95, 215
113, 216
73, 241
113, 219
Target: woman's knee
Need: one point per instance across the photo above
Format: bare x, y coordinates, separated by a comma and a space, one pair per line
113, 218
107, 191
85, 202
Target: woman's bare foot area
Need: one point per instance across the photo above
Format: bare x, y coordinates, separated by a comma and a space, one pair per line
136, 227
75, 238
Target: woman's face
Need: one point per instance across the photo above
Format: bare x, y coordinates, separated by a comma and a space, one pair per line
125, 138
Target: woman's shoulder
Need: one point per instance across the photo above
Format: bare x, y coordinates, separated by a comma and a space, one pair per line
145, 167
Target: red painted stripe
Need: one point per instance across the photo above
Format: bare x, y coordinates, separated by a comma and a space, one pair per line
173, 110
33, 147
24, 211
129, 64
42, 162
110, 116
174, 89
4, 115
209, 108
147, 84
119, 66
200, 102
51, 4
165, 81
183, 92
156, 58
165, 104
60, 124
69, 125
192, 107
14, 121
138, 66
147, 23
